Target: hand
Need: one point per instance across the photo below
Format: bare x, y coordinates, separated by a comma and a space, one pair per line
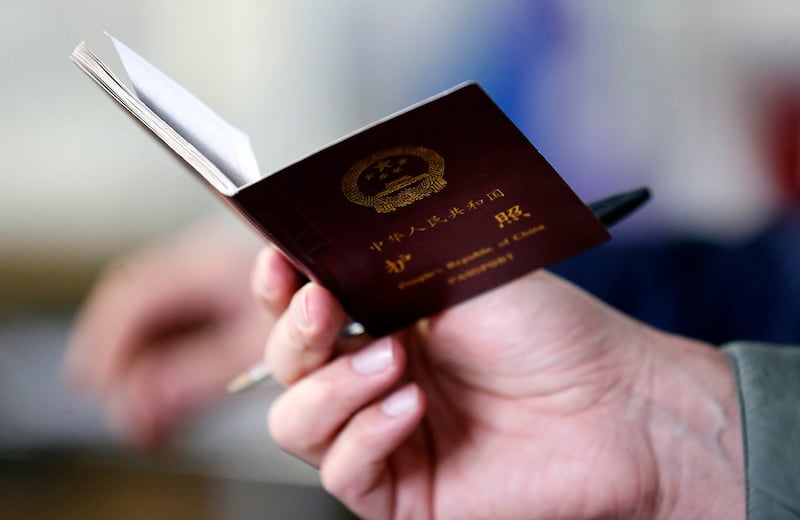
164, 329
531, 401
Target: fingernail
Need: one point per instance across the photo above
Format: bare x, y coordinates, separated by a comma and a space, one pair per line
300, 310
377, 357
401, 402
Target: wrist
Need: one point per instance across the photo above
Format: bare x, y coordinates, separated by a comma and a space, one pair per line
690, 401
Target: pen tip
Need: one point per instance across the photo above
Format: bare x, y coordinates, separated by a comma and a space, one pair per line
240, 383
257, 375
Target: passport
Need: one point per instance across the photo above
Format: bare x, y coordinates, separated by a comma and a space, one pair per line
399, 220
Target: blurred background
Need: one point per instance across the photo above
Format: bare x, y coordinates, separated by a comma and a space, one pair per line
698, 100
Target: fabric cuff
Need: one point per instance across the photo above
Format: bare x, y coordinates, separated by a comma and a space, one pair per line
768, 380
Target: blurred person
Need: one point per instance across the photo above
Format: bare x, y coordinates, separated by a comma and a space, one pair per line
164, 328
714, 290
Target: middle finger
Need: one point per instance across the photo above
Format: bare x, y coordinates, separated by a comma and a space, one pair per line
307, 417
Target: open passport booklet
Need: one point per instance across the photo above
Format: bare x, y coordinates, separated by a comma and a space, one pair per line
401, 219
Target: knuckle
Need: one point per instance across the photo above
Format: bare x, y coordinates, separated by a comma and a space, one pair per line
295, 355
344, 480
262, 283
280, 354
316, 426
276, 425
298, 432
300, 339
312, 337
288, 433
322, 390
362, 428
279, 371
333, 480
315, 313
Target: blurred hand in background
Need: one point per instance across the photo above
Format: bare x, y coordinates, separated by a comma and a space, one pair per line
164, 329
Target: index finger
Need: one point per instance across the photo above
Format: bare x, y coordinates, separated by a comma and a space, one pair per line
305, 336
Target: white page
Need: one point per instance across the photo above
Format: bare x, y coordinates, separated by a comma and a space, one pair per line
224, 145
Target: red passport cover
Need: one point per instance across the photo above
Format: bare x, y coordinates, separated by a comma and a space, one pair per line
421, 211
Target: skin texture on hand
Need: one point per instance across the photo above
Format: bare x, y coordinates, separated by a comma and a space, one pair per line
164, 329
533, 400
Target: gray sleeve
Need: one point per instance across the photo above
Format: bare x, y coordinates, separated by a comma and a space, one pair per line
768, 380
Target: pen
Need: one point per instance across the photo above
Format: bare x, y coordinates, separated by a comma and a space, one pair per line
609, 211
259, 375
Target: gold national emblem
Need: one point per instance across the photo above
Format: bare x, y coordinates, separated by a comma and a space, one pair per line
393, 178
